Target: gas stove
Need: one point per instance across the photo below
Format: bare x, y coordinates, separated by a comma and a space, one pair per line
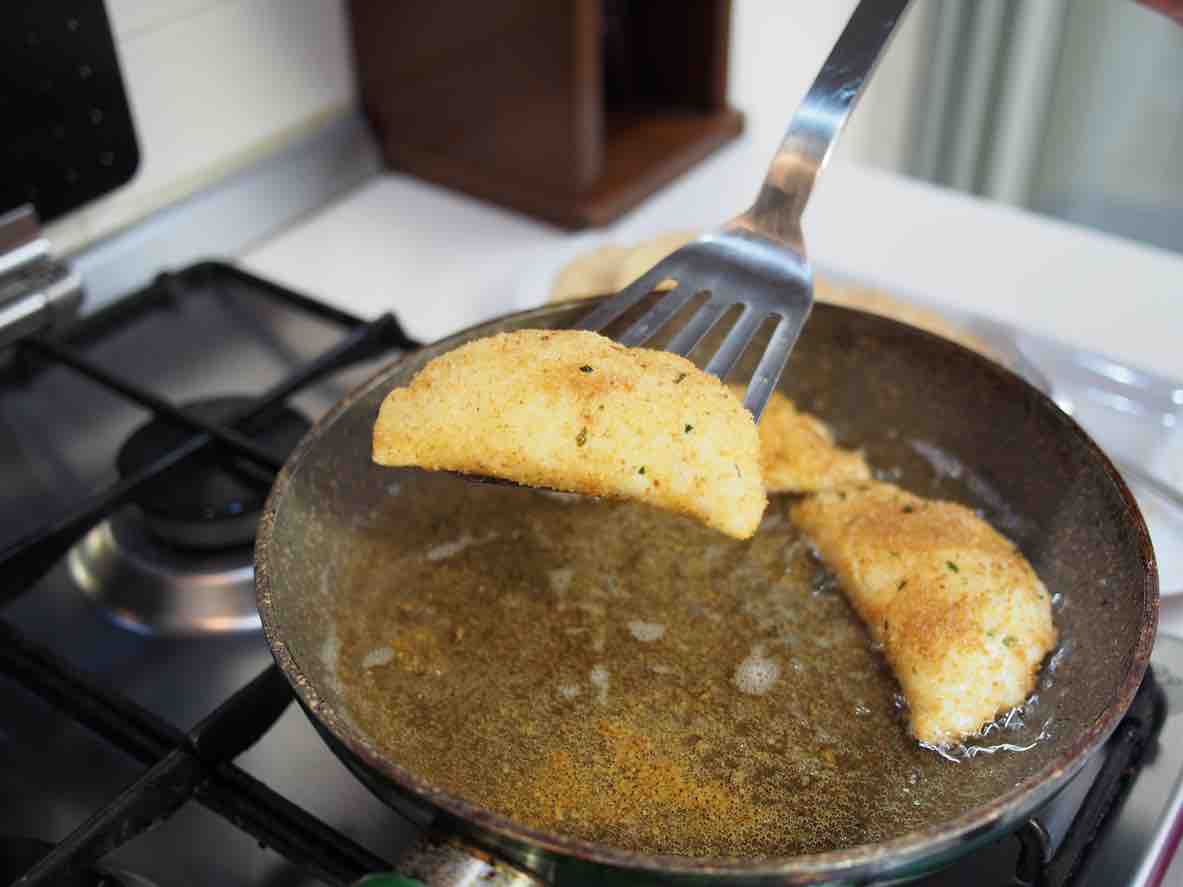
145, 737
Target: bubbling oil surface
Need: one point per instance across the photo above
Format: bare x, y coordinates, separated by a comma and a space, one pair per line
614, 673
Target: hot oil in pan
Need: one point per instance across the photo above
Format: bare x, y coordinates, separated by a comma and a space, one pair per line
625, 676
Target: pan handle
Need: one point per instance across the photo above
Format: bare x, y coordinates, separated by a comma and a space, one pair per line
448, 861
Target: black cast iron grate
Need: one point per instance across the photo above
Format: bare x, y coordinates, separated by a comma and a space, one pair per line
198, 765
194, 765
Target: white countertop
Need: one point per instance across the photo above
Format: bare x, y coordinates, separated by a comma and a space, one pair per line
442, 260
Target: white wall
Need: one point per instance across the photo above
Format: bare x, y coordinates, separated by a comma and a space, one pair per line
214, 84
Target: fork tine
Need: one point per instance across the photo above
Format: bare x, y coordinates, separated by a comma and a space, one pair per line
698, 326
772, 364
736, 341
656, 317
614, 306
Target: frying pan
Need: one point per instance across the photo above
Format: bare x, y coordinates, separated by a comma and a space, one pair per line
882, 385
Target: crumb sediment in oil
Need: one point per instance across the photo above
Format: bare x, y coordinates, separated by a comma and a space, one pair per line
621, 675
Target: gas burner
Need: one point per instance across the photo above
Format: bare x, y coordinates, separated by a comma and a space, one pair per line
18, 855
206, 502
179, 561
152, 587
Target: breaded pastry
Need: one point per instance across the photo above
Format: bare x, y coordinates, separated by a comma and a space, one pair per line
574, 411
797, 451
962, 617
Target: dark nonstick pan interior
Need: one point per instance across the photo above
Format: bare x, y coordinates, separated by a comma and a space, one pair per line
945, 421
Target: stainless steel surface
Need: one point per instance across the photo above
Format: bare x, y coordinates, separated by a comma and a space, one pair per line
1057, 819
444, 862
37, 291
758, 261
154, 588
1162, 849
54, 773
1137, 847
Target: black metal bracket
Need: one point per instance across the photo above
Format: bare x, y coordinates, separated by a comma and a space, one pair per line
233, 728
1034, 852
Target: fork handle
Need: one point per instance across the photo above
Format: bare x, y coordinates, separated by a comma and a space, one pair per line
815, 126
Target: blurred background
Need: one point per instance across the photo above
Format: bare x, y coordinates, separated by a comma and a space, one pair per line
1069, 109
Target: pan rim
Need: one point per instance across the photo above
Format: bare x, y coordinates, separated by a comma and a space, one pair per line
961, 833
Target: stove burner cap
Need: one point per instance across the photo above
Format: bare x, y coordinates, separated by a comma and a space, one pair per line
203, 502
18, 855
156, 588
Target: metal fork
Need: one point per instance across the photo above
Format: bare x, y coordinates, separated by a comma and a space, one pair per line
757, 260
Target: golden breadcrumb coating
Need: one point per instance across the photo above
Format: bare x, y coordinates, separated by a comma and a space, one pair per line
797, 451
571, 410
964, 621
